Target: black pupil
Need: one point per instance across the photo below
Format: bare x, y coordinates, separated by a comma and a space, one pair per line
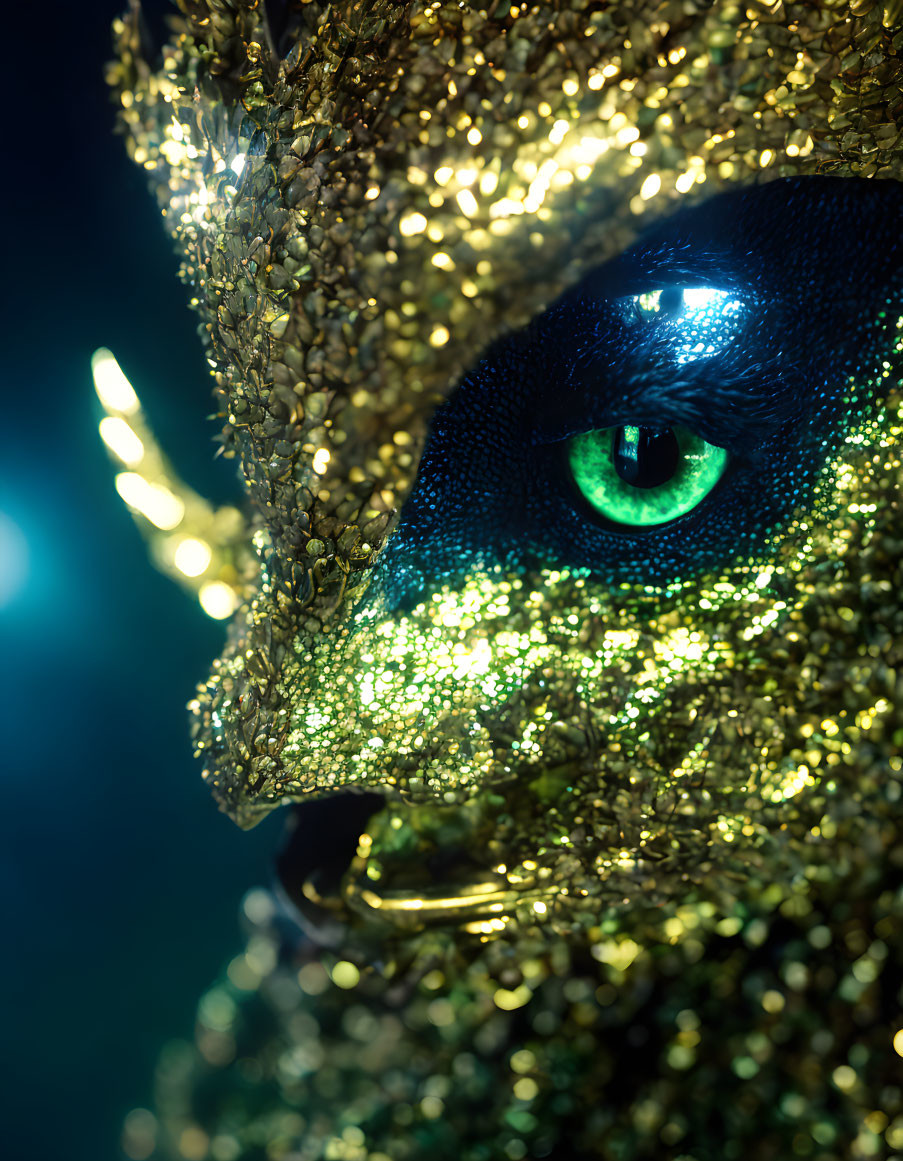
645, 457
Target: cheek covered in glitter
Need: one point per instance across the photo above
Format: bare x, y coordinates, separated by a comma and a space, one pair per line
485, 685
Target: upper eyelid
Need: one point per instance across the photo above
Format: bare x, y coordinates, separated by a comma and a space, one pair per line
751, 402
647, 272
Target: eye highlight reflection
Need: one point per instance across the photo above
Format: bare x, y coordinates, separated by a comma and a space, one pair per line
701, 320
637, 477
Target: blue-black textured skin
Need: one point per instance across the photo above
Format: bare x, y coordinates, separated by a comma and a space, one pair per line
815, 260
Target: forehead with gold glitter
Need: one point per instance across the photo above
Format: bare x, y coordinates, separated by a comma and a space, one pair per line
387, 208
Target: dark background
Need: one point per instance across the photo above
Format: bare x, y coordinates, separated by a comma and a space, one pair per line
120, 880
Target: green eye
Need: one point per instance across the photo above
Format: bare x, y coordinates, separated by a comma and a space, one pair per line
641, 476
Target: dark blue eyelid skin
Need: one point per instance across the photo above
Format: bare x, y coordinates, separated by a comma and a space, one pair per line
818, 265
757, 395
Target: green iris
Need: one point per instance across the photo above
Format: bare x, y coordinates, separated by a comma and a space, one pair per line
642, 476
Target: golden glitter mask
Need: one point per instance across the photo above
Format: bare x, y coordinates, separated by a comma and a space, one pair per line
570, 773
358, 216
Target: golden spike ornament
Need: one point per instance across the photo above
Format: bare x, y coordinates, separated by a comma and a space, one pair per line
207, 550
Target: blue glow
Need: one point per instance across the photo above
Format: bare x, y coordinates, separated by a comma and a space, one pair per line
13, 561
706, 322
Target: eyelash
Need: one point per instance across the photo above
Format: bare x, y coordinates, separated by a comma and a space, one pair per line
728, 417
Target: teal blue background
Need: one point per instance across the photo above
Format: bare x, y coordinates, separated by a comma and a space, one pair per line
121, 882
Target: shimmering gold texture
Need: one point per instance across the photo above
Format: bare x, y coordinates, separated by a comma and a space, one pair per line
678, 806
352, 237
